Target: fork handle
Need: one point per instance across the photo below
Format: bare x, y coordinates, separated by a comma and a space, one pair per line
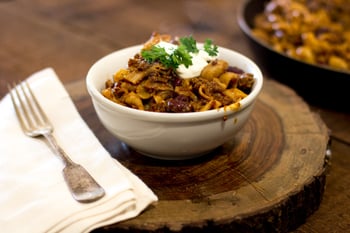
58, 150
81, 184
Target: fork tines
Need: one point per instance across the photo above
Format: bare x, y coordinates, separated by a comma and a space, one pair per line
27, 108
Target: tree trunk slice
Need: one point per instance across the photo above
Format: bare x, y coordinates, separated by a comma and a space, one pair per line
269, 178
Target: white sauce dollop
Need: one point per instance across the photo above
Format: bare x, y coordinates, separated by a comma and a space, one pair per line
169, 47
199, 61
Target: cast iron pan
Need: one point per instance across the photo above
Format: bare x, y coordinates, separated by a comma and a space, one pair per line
319, 85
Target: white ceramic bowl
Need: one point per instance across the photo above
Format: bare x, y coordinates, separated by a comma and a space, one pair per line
171, 136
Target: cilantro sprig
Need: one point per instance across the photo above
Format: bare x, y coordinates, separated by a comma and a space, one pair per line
181, 55
173, 60
210, 48
189, 43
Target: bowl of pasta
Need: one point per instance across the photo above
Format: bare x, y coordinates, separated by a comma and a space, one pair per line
167, 107
304, 44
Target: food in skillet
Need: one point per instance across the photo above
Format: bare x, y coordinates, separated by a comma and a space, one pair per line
175, 75
314, 31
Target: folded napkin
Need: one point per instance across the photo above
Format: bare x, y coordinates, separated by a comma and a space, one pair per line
33, 194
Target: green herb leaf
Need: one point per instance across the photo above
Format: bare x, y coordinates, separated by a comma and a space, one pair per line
189, 43
181, 55
210, 48
158, 54
173, 60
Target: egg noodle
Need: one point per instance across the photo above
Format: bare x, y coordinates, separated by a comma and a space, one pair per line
314, 31
154, 86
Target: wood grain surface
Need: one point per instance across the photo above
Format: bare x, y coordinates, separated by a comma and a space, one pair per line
70, 35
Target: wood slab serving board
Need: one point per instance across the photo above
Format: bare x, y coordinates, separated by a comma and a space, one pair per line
269, 178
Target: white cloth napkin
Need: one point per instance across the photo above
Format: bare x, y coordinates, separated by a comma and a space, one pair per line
33, 194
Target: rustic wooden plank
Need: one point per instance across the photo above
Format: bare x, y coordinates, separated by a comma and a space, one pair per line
43, 41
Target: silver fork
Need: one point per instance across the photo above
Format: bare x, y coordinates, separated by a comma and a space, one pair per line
35, 123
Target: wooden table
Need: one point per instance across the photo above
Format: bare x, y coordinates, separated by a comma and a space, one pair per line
70, 35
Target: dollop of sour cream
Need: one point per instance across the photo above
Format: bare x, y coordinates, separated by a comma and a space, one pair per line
199, 61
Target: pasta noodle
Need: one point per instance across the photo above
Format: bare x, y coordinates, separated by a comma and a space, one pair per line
315, 31
154, 87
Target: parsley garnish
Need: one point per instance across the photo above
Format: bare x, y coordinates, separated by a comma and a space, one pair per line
157, 54
173, 60
181, 55
189, 43
210, 48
